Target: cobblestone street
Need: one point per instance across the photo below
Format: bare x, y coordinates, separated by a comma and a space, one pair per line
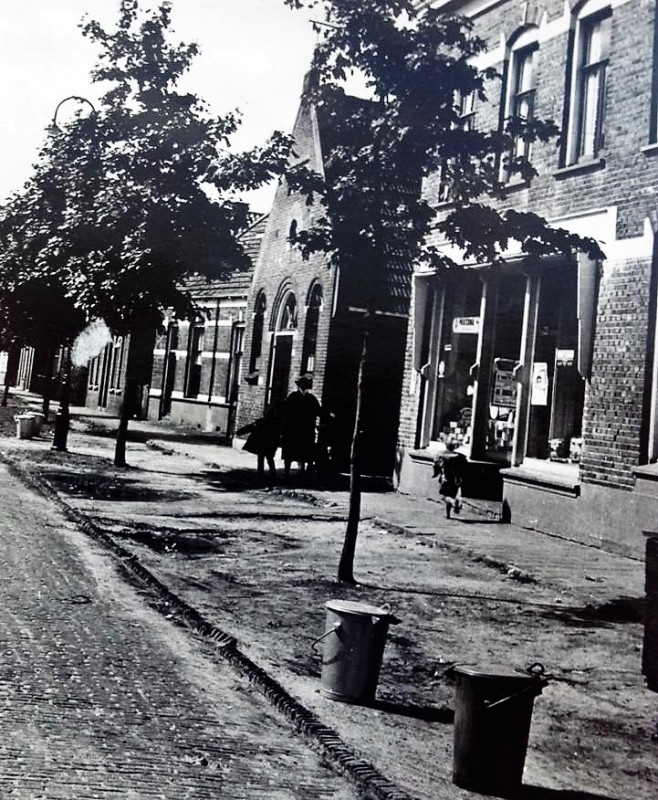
102, 697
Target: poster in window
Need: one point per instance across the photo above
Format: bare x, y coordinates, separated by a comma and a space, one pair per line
504, 384
564, 358
539, 394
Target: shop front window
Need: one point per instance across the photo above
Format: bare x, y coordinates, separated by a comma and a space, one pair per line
557, 391
457, 355
508, 333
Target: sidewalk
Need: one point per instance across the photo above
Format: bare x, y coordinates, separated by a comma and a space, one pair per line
261, 564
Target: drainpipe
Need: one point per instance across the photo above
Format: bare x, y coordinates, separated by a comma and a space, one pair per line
214, 353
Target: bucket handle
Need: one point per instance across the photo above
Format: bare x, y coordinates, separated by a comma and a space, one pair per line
536, 671
334, 629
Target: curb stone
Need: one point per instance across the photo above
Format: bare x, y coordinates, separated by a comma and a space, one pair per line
369, 782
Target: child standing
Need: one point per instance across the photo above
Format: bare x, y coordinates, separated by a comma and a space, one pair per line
450, 468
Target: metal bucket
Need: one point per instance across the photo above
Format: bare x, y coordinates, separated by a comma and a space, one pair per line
493, 712
24, 426
353, 648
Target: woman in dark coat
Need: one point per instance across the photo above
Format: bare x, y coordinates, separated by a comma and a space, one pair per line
300, 413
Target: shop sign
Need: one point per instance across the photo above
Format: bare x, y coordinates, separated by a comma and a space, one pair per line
466, 325
504, 388
539, 394
564, 358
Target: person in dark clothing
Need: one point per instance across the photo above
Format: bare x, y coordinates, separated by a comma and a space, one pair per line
301, 410
450, 468
263, 440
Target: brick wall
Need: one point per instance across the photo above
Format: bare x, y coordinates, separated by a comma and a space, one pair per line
630, 175
613, 418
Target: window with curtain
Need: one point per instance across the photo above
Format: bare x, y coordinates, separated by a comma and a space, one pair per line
521, 97
466, 103
591, 60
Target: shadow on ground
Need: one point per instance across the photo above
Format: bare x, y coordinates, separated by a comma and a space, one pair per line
103, 430
445, 716
101, 487
540, 793
621, 610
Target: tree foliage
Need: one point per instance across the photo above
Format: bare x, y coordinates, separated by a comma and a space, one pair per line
128, 199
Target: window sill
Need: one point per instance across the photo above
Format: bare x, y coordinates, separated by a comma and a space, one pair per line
549, 476
650, 149
579, 168
515, 185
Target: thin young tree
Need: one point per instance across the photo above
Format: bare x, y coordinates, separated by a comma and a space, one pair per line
415, 67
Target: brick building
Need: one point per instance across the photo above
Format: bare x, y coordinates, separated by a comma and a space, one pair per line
106, 373
303, 317
548, 376
188, 371
197, 364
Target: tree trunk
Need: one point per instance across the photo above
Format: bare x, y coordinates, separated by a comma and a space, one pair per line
11, 373
62, 418
346, 563
127, 412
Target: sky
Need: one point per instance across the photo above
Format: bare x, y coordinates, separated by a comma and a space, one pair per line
254, 54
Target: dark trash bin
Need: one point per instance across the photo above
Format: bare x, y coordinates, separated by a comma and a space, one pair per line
353, 648
493, 711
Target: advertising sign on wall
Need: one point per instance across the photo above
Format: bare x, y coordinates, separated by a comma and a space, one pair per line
466, 325
539, 391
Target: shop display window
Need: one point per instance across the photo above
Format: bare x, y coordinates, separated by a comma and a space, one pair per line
508, 333
557, 389
457, 355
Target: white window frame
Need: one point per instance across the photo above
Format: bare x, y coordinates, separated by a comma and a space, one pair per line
467, 112
526, 44
584, 146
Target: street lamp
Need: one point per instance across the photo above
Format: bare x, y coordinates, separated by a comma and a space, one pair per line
63, 416
78, 99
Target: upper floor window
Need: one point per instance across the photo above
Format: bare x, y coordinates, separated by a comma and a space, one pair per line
522, 87
591, 56
466, 105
